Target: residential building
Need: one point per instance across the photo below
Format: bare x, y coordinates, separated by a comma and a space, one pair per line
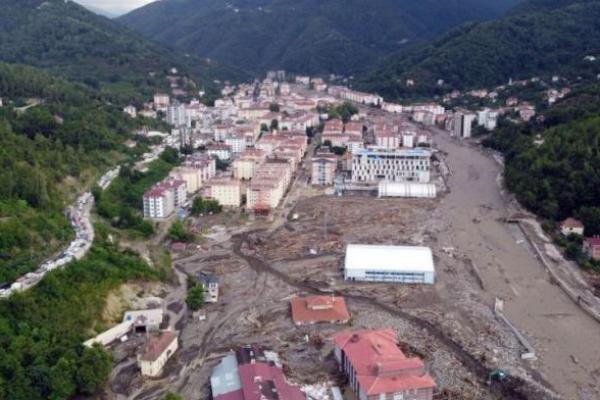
161, 101
315, 309
462, 124
487, 118
323, 168
304, 80
252, 373
210, 284
190, 175
392, 107
129, 110
526, 112
591, 247
375, 164
177, 115
237, 143
395, 264
386, 138
245, 166
164, 197
571, 226
156, 353
219, 150
227, 191
377, 369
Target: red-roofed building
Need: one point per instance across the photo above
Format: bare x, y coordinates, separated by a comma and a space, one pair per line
377, 368
262, 381
157, 351
315, 309
591, 247
571, 226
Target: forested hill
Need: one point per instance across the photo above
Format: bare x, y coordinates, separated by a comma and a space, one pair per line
484, 54
55, 137
68, 40
305, 36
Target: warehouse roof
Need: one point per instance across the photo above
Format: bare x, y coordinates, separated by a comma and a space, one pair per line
389, 258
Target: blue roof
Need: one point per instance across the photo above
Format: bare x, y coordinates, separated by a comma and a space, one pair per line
225, 377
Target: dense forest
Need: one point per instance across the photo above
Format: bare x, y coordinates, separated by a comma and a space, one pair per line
42, 330
552, 164
55, 138
523, 45
67, 40
308, 36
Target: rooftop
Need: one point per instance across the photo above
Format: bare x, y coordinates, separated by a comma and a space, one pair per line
315, 309
156, 345
389, 258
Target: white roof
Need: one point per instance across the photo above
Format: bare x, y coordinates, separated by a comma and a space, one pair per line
389, 258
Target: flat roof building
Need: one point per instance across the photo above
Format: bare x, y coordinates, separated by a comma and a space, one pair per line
395, 264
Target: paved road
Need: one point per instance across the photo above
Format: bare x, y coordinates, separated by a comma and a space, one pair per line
560, 331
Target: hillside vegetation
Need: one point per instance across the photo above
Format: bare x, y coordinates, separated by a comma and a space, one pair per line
552, 166
485, 54
48, 151
307, 36
68, 40
42, 330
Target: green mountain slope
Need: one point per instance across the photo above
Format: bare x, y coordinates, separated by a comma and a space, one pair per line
490, 53
67, 39
48, 152
308, 36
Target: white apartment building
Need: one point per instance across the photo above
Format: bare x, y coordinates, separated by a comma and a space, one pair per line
220, 150
462, 124
161, 101
177, 116
129, 110
375, 164
227, 191
323, 168
488, 119
237, 143
164, 197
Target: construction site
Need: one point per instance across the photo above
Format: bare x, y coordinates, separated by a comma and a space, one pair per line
493, 307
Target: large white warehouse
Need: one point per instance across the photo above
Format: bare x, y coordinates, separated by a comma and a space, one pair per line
402, 264
407, 189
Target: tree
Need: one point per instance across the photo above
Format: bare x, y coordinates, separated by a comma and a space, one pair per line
170, 155
274, 125
202, 206
195, 298
93, 369
172, 396
62, 380
179, 233
274, 107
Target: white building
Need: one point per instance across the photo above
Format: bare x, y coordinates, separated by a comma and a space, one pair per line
163, 198
237, 143
227, 191
397, 264
487, 118
161, 101
220, 150
210, 284
129, 110
407, 189
177, 116
157, 351
375, 164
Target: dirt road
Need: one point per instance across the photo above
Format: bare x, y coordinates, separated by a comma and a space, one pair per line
565, 338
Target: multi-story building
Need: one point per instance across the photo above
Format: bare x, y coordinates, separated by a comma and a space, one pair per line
487, 118
177, 115
246, 164
129, 110
236, 142
376, 164
386, 138
377, 369
462, 124
220, 150
571, 226
164, 197
161, 101
227, 191
324, 166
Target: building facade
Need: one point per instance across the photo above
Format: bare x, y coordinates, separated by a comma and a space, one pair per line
373, 165
157, 352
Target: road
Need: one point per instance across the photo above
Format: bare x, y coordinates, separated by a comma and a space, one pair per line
566, 339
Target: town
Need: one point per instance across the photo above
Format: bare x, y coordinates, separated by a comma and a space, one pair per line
335, 206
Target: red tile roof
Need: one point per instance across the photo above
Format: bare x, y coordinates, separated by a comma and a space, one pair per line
261, 381
157, 345
571, 223
379, 364
593, 241
313, 309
